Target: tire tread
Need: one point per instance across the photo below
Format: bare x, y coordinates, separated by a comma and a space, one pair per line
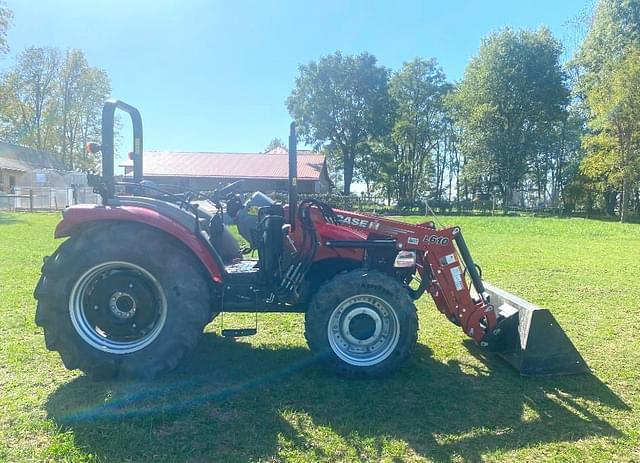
341, 286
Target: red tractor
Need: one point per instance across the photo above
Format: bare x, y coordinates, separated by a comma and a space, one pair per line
130, 290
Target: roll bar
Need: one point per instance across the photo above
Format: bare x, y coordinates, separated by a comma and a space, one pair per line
107, 147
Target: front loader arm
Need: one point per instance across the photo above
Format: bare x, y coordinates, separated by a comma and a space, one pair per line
443, 261
449, 289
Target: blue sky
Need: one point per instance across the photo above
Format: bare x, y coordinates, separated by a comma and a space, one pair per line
213, 75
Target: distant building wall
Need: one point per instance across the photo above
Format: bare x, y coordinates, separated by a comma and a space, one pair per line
249, 185
8, 179
42, 178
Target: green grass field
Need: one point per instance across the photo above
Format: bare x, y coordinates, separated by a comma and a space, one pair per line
264, 398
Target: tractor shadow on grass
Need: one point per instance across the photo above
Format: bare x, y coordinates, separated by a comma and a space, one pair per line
6, 219
231, 401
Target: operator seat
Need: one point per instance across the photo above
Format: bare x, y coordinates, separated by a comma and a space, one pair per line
270, 238
223, 241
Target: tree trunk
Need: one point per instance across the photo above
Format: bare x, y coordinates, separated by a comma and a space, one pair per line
506, 196
624, 204
610, 200
348, 172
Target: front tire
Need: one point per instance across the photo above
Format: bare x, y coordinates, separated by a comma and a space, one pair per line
122, 300
362, 323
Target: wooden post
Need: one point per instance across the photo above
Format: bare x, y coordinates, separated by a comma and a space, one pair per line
30, 200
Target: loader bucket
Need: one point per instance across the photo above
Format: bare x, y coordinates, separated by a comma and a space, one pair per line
530, 338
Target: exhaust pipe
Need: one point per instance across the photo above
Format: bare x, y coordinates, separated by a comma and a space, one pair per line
293, 175
529, 338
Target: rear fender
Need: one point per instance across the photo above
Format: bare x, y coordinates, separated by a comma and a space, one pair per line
79, 216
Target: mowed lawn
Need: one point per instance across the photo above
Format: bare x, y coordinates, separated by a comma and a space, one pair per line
265, 399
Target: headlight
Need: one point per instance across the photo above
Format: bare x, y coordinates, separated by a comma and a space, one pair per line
405, 259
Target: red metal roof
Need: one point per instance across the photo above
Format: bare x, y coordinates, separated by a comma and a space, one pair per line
228, 165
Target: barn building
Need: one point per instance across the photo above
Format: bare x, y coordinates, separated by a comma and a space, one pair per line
202, 171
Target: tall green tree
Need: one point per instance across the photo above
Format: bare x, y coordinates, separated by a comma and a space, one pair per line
5, 21
510, 93
376, 167
82, 90
564, 155
95, 89
29, 105
614, 143
614, 28
447, 158
340, 102
417, 92
606, 65
370, 163
52, 102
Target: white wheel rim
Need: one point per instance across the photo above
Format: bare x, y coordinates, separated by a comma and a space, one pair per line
97, 336
376, 337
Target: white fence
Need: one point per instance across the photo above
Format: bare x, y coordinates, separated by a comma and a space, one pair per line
46, 198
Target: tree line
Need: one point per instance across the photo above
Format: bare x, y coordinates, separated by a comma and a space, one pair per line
520, 125
50, 100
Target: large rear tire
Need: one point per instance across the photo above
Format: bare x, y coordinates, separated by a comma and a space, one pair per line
362, 323
123, 300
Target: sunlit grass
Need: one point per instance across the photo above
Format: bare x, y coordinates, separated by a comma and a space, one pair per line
265, 399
